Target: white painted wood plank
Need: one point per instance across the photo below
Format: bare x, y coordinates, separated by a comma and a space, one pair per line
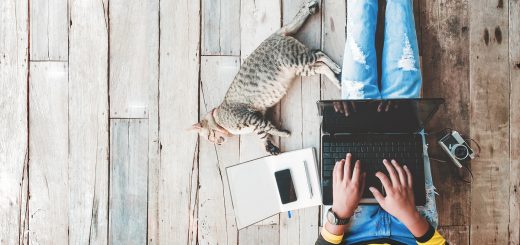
178, 103
299, 115
334, 22
220, 27
88, 123
514, 76
13, 122
48, 148
134, 46
49, 30
489, 117
258, 20
128, 181
217, 73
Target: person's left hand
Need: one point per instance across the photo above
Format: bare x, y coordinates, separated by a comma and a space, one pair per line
347, 187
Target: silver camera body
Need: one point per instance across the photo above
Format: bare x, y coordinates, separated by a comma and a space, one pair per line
457, 148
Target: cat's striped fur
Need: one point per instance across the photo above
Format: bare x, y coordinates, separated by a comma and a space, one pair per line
262, 81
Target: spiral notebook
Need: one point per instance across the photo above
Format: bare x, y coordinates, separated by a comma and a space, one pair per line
266, 186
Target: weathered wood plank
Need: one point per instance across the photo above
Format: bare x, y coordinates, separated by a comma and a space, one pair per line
514, 76
178, 103
299, 115
455, 235
49, 30
128, 181
134, 46
48, 147
220, 27
334, 15
88, 123
445, 58
217, 73
14, 126
489, 116
258, 20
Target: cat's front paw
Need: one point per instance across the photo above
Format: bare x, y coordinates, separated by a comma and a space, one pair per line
312, 6
272, 149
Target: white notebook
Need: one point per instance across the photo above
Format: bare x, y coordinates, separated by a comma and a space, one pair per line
254, 190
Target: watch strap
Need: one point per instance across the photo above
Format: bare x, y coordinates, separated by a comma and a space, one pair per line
339, 221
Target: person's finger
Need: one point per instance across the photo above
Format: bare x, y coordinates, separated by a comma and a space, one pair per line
353, 104
408, 175
401, 173
388, 106
336, 106
335, 174
345, 108
377, 195
356, 174
392, 173
347, 174
380, 106
385, 181
339, 170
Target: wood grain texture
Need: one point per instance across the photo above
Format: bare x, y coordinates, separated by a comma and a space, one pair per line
455, 235
445, 59
178, 103
514, 76
128, 181
489, 116
134, 46
14, 159
48, 148
216, 227
334, 15
220, 27
49, 30
88, 123
300, 116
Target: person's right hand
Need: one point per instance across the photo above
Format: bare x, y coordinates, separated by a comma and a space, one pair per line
399, 200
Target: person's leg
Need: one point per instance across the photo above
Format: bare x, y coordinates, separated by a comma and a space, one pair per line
401, 76
359, 75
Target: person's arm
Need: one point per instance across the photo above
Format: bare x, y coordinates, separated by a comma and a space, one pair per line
400, 203
347, 187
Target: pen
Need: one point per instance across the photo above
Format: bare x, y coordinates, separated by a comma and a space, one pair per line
308, 178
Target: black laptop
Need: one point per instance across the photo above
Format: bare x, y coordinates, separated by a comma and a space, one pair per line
373, 130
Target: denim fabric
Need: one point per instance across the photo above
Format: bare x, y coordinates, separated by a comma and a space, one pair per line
401, 78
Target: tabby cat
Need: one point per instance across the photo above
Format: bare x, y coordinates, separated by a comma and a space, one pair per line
262, 81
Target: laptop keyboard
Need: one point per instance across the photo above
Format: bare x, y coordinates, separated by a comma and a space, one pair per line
371, 150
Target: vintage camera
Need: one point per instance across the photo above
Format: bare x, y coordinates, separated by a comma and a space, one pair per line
457, 148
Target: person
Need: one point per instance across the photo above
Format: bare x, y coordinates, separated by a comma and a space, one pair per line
395, 220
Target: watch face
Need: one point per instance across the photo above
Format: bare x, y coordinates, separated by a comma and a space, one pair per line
331, 218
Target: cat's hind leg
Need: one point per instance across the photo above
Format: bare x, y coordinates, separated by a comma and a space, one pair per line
297, 22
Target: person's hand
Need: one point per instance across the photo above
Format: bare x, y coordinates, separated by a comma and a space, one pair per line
347, 187
399, 200
345, 107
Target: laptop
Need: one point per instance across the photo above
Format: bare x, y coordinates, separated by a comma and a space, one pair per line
373, 130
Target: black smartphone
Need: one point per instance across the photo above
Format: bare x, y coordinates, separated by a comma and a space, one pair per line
285, 186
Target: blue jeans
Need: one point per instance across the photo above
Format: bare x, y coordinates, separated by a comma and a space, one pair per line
401, 78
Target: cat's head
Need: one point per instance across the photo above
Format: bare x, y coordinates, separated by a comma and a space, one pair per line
208, 129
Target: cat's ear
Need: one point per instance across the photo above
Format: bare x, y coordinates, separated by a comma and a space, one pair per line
195, 127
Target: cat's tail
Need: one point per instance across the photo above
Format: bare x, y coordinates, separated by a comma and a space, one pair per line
297, 22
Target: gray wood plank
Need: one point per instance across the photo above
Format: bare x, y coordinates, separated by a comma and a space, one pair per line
14, 159
258, 20
445, 67
178, 103
217, 73
299, 115
334, 15
489, 117
88, 123
455, 235
48, 147
128, 181
220, 27
134, 46
49, 30
514, 76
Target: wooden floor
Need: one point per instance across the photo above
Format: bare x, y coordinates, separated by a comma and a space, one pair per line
95, 97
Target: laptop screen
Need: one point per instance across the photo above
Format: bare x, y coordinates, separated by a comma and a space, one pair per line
377, 116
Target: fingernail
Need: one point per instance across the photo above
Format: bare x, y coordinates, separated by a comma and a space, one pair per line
371, 189
348, 154
393, 161
384, 160
405, 167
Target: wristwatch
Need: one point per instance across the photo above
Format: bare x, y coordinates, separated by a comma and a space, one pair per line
334, 219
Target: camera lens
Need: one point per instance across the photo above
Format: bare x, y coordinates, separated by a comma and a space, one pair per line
461, 152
